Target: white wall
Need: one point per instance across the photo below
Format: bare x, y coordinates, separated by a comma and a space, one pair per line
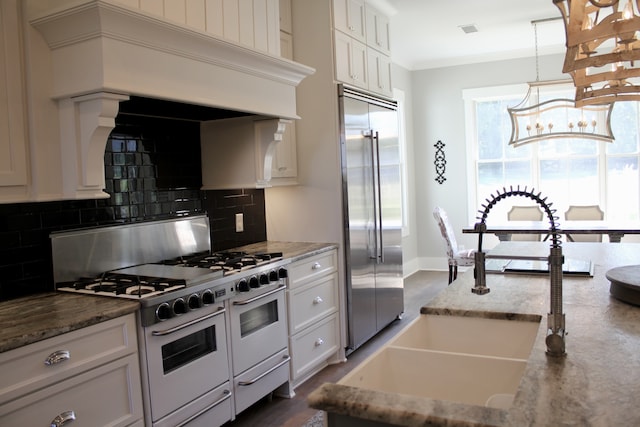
438, 114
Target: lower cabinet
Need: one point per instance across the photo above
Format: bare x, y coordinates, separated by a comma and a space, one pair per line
90, 376
312, 302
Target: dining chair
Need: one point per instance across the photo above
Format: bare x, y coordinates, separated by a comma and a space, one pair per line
584, 213
525, 213
457, 255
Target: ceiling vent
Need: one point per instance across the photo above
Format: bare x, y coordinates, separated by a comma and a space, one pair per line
469, 28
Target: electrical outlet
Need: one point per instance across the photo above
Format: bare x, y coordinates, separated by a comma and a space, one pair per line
239, 223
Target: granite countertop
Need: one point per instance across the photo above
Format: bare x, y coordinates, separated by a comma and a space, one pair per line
595, 384
292, 250
37, 317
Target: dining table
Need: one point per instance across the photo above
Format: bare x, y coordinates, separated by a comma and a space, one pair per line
504, 230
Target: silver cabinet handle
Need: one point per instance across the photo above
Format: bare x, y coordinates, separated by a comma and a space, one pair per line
285, 359
318, 342
316, 266
63, 418
317, 300
226, 395
57, 357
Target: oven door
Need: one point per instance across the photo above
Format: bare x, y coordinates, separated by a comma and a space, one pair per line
258, 328
186, 358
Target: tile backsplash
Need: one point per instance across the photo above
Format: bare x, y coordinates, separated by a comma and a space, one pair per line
152, 171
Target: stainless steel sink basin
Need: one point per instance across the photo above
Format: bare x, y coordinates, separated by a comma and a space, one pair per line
469, 360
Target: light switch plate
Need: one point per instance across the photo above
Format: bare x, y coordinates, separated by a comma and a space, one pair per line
239, 223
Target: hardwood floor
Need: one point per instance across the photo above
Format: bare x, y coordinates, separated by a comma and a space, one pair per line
419, 288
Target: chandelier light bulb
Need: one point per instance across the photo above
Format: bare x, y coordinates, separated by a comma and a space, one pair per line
627, 13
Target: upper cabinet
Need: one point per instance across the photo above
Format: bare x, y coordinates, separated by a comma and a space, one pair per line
349, 17
362, 46
13, 134
377, 30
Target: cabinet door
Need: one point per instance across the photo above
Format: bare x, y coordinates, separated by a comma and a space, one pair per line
349, 17
379, 67
377, 30
13, 141
351, 61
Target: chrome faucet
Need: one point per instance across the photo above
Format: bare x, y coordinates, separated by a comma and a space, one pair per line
555, 319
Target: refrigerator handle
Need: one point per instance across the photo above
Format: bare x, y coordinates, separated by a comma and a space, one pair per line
378, 199
373, 234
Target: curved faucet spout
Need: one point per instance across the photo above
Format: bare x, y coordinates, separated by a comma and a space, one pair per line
555, 319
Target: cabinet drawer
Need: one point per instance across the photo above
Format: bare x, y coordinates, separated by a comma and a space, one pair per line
307, 269
313, 346
24, 369
307, 304
107, 395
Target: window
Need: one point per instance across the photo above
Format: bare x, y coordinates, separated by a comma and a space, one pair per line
566, 171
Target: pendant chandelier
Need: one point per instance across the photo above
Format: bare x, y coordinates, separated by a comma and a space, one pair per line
557, 117
602, 49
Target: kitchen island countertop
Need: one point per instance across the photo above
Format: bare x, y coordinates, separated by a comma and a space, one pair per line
595, 384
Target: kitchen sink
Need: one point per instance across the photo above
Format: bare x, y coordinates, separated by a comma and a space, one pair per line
470, 335
470, 360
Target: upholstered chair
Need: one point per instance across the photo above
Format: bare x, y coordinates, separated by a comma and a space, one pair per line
457, 256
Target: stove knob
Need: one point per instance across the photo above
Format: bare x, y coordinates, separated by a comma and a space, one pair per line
179, 306
253, 282
283, 273
207, 297
194, 302
273, 276
163, 312
242, 286
264, 279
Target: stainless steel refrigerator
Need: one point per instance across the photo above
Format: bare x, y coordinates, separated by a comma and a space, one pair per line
372, 192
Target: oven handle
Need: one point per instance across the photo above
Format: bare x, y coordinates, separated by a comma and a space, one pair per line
186, 325
256, 298
286, 359
227, 395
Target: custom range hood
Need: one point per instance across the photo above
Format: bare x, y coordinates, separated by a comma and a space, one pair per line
104, 52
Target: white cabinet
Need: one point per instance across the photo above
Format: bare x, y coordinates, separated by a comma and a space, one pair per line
312, 304
377, 30
91, 375
362, 52
13, 136
351, 61
349, 17
379, 68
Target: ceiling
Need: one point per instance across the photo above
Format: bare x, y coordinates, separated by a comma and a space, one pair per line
427, 33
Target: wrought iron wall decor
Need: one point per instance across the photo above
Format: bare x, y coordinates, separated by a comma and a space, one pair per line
440, 162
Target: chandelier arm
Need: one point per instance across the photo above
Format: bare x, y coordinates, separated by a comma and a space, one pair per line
603, 3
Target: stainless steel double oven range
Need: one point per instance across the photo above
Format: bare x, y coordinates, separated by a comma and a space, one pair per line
211, 326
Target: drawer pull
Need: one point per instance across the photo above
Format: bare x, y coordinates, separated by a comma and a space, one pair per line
63, 418
57, 357
317, 300
318, 342
316, 266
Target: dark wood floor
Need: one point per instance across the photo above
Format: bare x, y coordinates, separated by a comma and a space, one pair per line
419, 288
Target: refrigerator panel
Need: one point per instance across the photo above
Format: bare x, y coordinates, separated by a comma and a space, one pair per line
358, 173
389, 279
